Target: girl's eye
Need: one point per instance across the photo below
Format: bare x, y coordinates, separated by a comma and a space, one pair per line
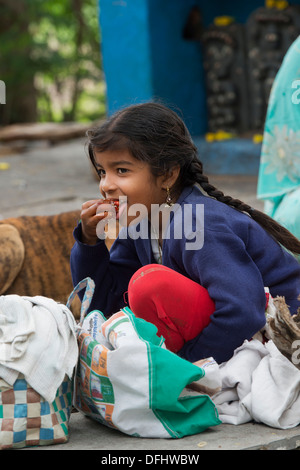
120, 171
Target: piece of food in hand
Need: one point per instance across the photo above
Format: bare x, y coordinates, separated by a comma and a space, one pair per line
107, 206
116, 205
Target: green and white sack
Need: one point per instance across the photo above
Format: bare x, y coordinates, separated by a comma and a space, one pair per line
127, 379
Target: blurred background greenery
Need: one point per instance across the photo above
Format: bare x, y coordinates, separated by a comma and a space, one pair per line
50, 61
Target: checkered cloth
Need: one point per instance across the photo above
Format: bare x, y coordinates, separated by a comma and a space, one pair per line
26, 419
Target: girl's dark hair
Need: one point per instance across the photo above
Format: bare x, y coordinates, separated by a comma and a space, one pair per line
155, 134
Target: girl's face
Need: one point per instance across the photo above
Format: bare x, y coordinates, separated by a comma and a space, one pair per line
123, 175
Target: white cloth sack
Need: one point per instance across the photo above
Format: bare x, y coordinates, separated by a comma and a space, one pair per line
260, 384
37, 339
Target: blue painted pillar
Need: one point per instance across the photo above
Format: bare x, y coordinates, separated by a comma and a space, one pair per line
126, 52
145, 57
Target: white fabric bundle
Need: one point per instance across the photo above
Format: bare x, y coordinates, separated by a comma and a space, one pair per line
260, 384
37, 339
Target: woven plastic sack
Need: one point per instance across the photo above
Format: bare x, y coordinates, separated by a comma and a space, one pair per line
26, 419
126, 379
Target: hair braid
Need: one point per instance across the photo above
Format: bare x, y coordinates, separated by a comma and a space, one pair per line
198, 177
277, 231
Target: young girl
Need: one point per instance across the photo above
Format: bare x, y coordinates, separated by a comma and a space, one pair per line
207, 297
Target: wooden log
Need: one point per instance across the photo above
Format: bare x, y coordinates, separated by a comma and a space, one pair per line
284, 329
48, 131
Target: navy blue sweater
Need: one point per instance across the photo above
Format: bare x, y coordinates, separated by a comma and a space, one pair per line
237, 260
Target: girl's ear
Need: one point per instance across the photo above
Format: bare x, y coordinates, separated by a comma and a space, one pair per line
170, 177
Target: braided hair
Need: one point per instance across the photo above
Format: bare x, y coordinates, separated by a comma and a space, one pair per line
277, 231
155, 134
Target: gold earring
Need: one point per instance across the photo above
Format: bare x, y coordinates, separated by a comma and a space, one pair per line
169, 202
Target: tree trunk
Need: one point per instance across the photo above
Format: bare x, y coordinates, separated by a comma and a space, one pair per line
16, 68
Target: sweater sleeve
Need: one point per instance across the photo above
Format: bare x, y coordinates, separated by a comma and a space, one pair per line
111, 271
224, 267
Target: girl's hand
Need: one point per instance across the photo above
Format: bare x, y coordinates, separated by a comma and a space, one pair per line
90, 217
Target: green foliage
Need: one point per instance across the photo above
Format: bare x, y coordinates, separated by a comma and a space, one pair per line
50, 60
